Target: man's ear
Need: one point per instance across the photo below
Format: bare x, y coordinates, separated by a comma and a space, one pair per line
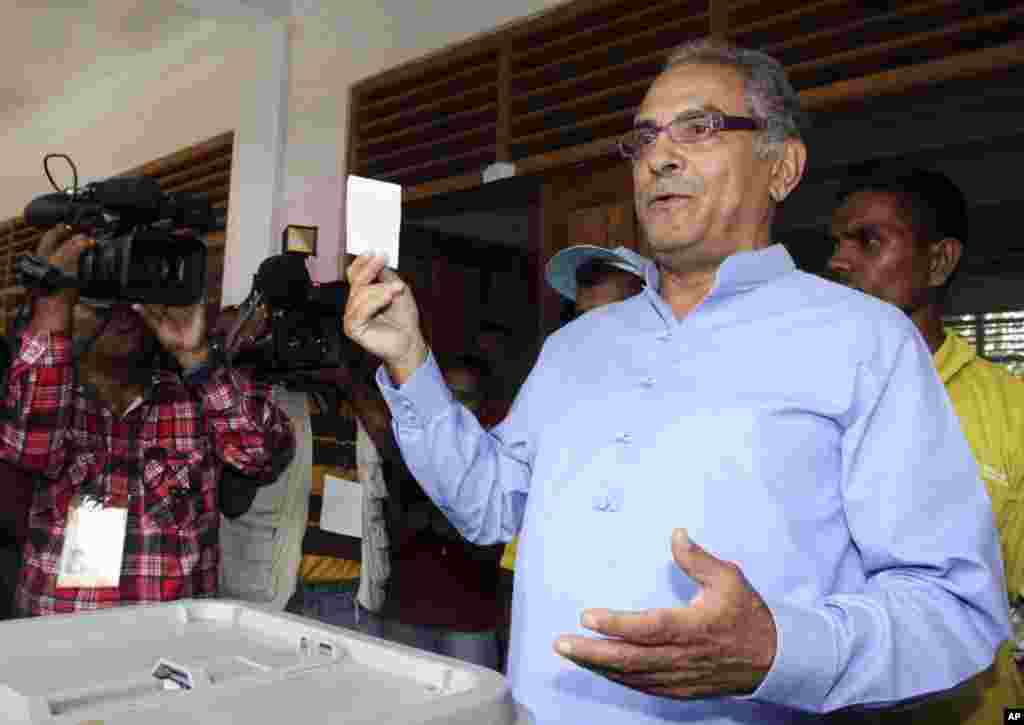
787, 168
944, 257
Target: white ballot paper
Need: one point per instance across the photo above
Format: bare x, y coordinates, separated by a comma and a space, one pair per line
373, 218
342, 511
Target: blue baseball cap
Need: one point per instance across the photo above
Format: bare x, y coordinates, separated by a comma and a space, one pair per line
561, 269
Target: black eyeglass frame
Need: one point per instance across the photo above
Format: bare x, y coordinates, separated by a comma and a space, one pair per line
716, 121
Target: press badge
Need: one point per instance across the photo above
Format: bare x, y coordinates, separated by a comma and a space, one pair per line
93, 544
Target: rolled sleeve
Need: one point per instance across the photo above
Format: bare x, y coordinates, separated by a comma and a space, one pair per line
250, 431
38, 404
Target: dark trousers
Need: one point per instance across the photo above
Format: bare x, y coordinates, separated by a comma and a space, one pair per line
10, 565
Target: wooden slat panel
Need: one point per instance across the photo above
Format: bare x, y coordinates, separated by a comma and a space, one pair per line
471, 100
201, 170
619, 119
894, 82
584, 21
480, 157
907, 50
968, 65
435, 147
221, 181
640, 69
409, 134
481, 72
633, 20
193, 154
748, 18
573, 75
875, 34
446, 185
589, 106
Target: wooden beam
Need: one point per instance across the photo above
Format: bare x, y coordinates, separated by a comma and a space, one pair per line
504, 130
442, 186
901, 80
719, 11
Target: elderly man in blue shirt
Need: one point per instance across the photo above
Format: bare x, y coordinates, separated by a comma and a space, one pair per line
796, 429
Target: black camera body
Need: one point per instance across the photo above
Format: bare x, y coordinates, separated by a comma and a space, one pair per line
146, 250
304, 321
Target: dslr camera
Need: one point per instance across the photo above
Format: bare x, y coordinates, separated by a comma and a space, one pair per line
303, 330
146, 247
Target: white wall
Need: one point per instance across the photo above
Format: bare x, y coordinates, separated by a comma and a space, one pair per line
281, 84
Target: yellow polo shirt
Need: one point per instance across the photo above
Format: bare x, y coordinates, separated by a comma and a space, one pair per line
990, 404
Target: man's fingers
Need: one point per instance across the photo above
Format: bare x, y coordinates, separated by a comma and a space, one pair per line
698, 563
369, 303
366, 303
386, 274
609, 656
53, 238
649, 627
364, 270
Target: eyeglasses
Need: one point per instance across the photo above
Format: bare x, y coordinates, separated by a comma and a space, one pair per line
685, 128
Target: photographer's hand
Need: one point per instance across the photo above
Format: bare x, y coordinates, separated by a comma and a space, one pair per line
181, 330
381, 317
61, 247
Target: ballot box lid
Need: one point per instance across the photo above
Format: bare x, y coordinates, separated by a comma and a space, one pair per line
223, 661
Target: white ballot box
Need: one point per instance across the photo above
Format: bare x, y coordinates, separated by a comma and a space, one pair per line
222, 662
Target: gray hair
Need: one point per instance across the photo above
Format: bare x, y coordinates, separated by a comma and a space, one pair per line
769, 94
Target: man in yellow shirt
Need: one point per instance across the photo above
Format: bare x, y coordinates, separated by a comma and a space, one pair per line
899, 235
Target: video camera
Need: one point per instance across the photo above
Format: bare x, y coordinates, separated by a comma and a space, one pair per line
146, 250
304, 330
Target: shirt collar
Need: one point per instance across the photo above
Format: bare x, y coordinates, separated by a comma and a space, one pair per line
740, 271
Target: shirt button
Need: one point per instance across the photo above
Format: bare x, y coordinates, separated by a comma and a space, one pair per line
624, 438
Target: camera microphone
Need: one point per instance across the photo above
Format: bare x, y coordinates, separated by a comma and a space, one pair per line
49, 210
129, 196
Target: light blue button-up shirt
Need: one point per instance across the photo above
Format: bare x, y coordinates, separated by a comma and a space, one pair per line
794, 427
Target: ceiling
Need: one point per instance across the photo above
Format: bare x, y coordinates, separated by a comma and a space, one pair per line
52, 47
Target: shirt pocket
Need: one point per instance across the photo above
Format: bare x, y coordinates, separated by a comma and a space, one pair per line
174, 493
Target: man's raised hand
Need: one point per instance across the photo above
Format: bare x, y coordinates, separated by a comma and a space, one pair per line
382, 318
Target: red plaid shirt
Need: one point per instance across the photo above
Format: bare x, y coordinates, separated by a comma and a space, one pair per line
166, 450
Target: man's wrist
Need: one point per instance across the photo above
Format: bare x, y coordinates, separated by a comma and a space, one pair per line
401, 370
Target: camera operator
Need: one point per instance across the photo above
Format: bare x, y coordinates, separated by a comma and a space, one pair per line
127, 451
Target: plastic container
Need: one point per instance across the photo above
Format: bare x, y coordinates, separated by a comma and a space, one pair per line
223, 661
